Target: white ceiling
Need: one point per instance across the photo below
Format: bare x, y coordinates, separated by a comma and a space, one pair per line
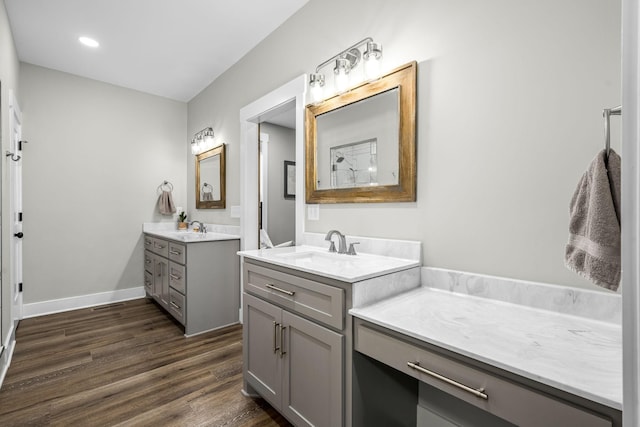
171, 48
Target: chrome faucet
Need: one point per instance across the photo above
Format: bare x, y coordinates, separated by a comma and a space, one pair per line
201, 226
342, 242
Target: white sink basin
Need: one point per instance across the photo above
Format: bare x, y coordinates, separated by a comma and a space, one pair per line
312, 256
186, 236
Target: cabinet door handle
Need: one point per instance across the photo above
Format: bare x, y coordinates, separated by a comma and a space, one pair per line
275, 336
275, 288
175, 253
147, 242
147, 261
282, 352
174, 305
476, 392
174, 277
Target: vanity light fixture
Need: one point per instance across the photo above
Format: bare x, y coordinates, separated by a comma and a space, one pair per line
345, 62
202, 141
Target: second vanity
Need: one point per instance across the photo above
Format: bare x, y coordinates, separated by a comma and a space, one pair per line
195, 277
297, 331
383, 349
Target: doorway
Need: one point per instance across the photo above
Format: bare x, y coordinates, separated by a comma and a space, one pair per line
261, 110
276, 171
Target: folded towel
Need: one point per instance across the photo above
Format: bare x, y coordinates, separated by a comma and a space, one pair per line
165, 203
593, 250
207, 196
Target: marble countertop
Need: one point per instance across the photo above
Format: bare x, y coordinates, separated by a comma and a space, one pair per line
570, 353
191, 237
316, 260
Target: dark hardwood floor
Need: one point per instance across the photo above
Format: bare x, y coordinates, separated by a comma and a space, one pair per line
126, 364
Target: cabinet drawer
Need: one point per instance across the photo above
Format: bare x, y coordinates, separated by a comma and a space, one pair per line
148, 242
318, 301
177, 252
176, 305
509, 400
148, 262
177, 277
159, 246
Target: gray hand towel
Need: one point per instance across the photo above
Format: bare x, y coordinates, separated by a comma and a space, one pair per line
593, 250
165, 203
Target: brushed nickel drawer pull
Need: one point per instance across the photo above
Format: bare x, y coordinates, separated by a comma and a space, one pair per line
174, 305
282, 352
275, 337
174, 277
147, 242
284, 291
172, 252
476, 392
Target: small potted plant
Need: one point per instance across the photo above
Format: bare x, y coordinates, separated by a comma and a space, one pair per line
182, 218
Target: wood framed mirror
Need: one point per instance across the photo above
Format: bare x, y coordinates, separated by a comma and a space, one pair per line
361, 145
210, 179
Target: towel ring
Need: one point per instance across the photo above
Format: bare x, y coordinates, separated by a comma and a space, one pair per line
165, 186
206, 186
607, 113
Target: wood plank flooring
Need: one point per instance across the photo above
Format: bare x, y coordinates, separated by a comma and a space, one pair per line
126, 364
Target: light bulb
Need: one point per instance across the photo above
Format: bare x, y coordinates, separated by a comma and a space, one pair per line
316, 83
372, 58
341, 77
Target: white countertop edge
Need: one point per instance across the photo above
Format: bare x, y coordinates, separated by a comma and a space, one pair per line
264, 256
208, 237
364, 313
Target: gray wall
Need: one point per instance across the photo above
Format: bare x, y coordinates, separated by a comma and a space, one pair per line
95, 158
510, 95
9, 69
281, 211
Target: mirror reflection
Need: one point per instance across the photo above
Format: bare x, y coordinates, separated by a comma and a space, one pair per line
210, 182
361, 145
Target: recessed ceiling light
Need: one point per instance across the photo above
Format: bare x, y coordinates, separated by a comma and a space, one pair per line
88, 41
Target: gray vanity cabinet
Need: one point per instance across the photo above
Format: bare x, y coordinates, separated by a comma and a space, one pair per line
293, 361
197, 283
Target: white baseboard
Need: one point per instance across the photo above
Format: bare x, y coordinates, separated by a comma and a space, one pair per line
83, 301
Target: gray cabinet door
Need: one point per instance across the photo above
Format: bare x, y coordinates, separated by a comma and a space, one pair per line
312, 357
263, 367
161, 281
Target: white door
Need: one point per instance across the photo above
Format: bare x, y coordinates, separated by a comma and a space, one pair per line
15, 172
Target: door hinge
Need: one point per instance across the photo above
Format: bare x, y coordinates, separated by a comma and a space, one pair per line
19, 216
20, 287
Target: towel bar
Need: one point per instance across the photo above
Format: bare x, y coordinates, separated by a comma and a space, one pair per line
606, 113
